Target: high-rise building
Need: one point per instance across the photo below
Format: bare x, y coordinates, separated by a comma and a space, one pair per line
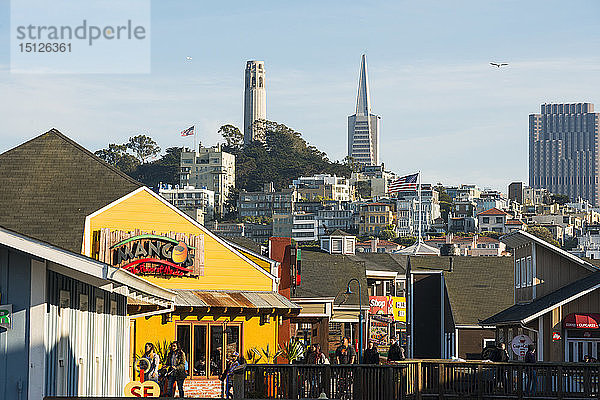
363, 127
564, 150
255, 99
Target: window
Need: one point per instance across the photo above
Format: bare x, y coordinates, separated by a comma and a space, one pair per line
498, 220
517, 273
486, 220
529, 272
523, 273
206, 345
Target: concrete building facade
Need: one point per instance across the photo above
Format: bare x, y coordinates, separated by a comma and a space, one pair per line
198, 203
564, 150
255, 99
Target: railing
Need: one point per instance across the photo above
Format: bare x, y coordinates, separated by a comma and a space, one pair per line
421, 379
360, 382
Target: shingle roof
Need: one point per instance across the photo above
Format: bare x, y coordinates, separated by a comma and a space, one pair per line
380, 262
327, 275
520, 312
492, 211
245, 243
50, 184
339, 232
478, 287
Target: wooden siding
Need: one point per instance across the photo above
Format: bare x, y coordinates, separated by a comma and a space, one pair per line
470, 342
554, 271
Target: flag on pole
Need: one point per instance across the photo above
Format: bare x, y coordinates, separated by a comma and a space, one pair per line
189, 131
408, 182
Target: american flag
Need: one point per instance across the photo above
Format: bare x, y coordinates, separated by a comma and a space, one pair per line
189, 131
408, 182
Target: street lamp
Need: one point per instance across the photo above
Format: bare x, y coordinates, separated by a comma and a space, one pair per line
360, 334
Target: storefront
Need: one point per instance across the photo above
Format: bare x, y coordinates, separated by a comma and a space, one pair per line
226, 299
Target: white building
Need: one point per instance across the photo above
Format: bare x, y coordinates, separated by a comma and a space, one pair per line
299, 225
363, 126
324, 186
589, 243
407, 209
255, 99
209, 168
492, 220
197, 203
378, 178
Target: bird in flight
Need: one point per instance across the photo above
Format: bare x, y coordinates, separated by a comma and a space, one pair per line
498, 64
188, 58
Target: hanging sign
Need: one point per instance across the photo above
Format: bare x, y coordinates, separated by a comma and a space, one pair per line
556, 336
519, 345
6, 316
399, 308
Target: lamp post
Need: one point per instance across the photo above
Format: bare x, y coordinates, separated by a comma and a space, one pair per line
360, 333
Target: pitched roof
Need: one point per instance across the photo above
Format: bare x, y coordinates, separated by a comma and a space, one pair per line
514, 222
246, 243
339, 232
420, 249
380, 261
327, 275
493, 211
478, 287
50, 184
526, 312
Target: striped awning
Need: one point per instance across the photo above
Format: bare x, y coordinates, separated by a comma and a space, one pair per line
267, 302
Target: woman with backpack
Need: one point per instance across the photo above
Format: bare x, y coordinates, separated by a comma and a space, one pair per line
176, 372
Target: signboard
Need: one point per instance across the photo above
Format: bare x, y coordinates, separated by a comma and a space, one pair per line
519, 345
6, 316
379, 332
582, 321
556, 336
379, 304
139, 389
142, 253
399, 308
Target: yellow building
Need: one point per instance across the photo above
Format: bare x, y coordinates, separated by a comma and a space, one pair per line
226, 296
374, 218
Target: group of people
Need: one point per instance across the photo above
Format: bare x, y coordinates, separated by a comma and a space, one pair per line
346, 354
174, 370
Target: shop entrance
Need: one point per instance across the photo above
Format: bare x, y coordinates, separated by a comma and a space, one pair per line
578, 349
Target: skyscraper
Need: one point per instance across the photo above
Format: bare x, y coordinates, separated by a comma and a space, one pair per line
363, 127
564, 150
255, 99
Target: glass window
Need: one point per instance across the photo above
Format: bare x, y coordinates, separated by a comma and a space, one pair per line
523, 273
200, 350
232, 333
517, 273
529, 272
216, 350
184, 339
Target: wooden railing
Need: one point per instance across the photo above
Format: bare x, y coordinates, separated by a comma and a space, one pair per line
421, 379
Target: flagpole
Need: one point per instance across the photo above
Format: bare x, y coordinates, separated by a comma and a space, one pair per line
195, 148
420, 208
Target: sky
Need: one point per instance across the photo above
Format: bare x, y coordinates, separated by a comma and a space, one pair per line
444, 109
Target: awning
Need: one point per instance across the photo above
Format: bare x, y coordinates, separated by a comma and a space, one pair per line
243, 302
582, 321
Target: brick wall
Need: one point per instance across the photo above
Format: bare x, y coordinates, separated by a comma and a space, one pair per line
202, 388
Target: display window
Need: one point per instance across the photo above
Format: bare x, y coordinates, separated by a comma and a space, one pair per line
208, 346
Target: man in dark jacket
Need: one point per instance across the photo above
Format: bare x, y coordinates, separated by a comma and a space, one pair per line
395, 352
345, 353
175, 369
371, 355
530, 358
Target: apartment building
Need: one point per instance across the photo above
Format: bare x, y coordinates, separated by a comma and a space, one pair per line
492, 220
324, 186
267, 202
198, 203
210, 168
407, 210
374, 218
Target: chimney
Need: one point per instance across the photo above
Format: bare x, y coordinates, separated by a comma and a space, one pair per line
449, 237
374, 245
474, 244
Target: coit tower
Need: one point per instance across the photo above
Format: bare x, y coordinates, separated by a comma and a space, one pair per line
255, 99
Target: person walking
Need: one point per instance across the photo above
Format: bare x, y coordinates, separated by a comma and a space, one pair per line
151, 374
175, 369
233, 363
371, 355
530, 358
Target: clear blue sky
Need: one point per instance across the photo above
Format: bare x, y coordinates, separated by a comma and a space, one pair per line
444, 109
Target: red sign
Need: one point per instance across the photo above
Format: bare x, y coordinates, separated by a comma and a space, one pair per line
380, 305
556, 336
582, 321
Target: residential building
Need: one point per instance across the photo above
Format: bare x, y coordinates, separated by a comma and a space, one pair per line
255, 100
535, 196
259, 233
461, 224
589, 243
564, 150
363, 126
267, 202
515, 225
324, 186
492, 220
339, 242
374, 218
198, 203
377, 178
299, 225
463, 192
377, 245
331, 218
407, 206
490, 199
210, 168
570, 224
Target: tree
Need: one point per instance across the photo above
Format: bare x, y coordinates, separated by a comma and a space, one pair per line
143, 147
387, 234
363, 188
117, 155
560, 198
233, 137
544, 234
491, 234
445, 201
405, 240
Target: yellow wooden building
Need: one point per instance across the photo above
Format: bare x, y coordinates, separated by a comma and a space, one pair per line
226, 296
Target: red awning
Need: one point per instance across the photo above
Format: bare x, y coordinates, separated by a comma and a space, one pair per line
582, 321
